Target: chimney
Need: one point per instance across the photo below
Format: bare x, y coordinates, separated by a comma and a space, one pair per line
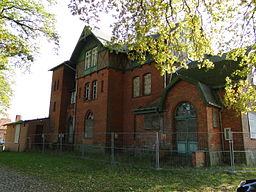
18, 118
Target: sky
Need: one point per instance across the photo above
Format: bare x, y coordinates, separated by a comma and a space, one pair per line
32, 90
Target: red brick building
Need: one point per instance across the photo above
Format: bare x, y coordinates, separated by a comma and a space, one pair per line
101, 91
3, 129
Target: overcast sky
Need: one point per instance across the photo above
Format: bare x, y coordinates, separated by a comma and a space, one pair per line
32, 91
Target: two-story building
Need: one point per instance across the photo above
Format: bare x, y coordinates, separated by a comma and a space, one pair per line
100, 91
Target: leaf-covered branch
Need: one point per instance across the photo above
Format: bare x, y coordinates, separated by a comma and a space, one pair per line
173, 32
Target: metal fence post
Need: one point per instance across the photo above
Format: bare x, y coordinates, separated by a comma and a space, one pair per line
112, 147
43, 148
157, 152
61, 135
232, 156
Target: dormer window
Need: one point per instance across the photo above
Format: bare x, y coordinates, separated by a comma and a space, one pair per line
91, 58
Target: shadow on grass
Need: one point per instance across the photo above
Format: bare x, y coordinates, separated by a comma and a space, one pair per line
73, 174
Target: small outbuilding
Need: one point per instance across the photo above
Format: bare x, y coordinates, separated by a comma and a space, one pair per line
22, 133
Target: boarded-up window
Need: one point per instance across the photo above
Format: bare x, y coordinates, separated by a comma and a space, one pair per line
252, 124
17, 133
147, 84
88, 125
152, 121
136, 86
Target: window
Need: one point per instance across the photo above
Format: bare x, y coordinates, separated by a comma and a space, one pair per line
54, 107
136, 86
88, 59
17, 133
91, 58
102, 86
88, 125
73, 97
147, 84
252, 124
94, 89
79, 93
152, 121
54, 88
215, 118
70, 130
94, 56
87, 92
58, 82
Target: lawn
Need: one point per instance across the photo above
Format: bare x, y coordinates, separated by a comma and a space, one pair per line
73, 174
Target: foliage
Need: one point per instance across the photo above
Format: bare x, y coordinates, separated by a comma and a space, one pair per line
173, 32
71, 174
22, 24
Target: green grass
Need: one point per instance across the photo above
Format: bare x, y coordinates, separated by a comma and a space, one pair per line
73, 174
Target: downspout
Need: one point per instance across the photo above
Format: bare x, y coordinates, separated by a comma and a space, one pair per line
75, 106
221, 130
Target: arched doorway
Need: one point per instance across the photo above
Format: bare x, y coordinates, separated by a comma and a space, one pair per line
186, 128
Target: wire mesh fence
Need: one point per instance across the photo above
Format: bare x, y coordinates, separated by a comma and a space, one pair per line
152, 149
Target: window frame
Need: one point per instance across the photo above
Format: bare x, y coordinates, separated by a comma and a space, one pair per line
87, 92
252, 124
87, 59
91, 58
94, 58
134, 88
94, 89
146, 83
73, 97
88, 121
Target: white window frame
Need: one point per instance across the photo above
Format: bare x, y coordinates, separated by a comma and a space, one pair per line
87, 94
88, 56
73, 97
94, 56
17, 134
94, 89
252, 124
91, 58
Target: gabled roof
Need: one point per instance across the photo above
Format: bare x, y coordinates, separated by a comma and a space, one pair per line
102, 38
206, 80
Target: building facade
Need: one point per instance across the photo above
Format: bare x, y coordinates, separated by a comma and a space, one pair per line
100, 91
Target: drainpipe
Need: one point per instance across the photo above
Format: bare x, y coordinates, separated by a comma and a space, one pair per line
75, 106
221, 130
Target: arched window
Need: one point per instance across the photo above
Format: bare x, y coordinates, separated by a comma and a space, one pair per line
88, 125
186, 128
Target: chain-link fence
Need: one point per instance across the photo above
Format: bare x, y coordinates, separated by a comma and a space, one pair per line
153, 149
